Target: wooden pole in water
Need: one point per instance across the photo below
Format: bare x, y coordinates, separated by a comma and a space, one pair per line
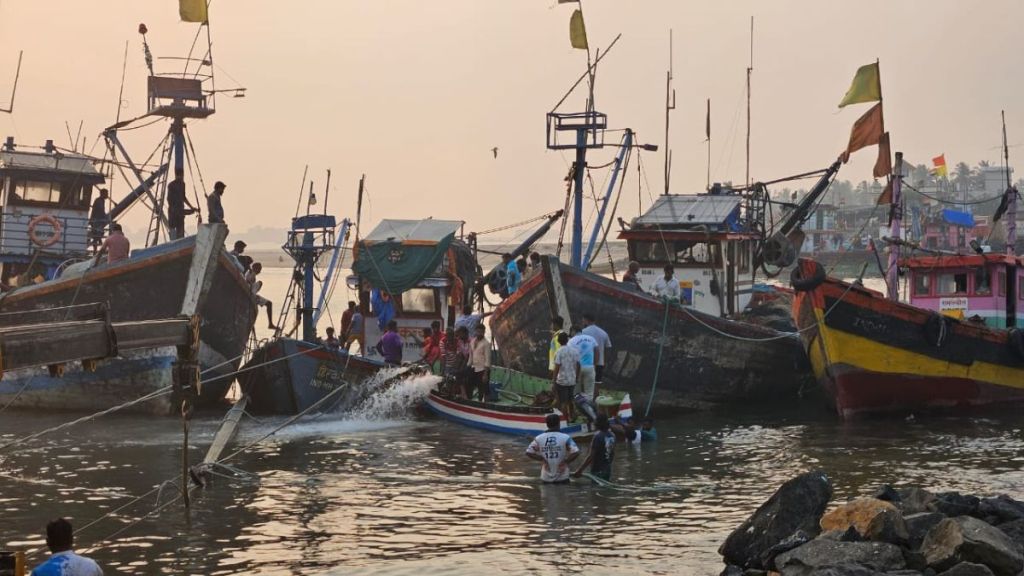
185, 409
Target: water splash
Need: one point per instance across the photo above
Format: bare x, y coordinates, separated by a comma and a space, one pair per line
396, 400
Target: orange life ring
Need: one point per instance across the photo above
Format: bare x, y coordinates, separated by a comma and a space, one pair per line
44, 242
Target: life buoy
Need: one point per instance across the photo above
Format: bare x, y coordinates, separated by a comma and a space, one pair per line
44, 242
936, 330
1015, 341
802, 284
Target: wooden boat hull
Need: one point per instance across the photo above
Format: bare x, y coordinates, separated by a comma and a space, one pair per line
872, 355
149, 286
288, 376
700, 366
515, 420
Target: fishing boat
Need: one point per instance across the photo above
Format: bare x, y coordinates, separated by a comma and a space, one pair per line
955, 344
513, 411
46, 243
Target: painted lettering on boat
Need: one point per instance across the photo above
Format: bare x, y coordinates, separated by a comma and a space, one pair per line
869, 325
327, 377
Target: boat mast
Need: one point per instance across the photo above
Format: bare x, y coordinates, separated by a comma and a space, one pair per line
670, 105
750, 69
1011, 200
895, 230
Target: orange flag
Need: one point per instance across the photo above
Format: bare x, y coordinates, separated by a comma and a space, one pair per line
886, 196
867, 130
883, 166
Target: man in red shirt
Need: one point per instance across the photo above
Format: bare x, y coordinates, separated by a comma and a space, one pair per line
116, 246
346, 320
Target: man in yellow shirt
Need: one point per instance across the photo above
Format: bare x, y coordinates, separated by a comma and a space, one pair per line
557, 323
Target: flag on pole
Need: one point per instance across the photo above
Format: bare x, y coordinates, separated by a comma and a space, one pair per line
867, 130
577, 31
883, 166
192, 10
940, 166
866, 86
886, 196
707, 125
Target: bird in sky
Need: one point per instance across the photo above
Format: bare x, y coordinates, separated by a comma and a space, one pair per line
494, 151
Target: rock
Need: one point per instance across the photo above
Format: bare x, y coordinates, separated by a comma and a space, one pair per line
968, 569
888, 493
849, 535
756, 572
966, 539
914, 500
732, 570
799, 538
796, 505
816, 555
914, 559
856, 513
905, 573
888, 526
918, 526
1015, 530
845, 570
954, 504
1001, 509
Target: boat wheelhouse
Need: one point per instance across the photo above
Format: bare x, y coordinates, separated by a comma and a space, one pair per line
984, 288
708, 241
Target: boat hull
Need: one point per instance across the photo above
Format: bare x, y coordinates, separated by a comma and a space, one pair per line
706, 361
872, 355
149, 286
288, 376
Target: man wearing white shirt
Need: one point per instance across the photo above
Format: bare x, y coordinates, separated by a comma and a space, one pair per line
667, 287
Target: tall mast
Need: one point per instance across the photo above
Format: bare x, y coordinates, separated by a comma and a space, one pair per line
892, 276
1011, 201
670, 105
750, 69
707, 133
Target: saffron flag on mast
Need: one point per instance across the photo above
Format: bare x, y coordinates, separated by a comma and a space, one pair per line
866, 86
883, 166
577, 31
192, 11
867, 130
940, 166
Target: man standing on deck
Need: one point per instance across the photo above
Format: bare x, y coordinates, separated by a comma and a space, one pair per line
98, 218
554, 450
667, 287
556, 329
390, 345
513, 277
214, 208
355, 331
630, 278
63, 561
176, 202
567, 366
480, 361
586, 347
602, 451
116, 246
603, 344
346, 320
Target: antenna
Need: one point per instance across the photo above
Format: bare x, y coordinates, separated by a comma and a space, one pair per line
1006, 152
14, 90
707, 133
670, 104
750, 69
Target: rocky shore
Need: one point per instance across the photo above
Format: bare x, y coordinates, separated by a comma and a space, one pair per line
907, 531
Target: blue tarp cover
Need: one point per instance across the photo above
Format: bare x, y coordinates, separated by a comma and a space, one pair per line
957, 218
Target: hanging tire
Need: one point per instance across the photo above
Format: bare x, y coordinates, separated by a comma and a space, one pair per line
802, 284
936, 330
1015, 340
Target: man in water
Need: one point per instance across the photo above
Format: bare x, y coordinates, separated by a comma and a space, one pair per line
602, 451
176, 202
63, 561
390, 345
554, 450
586, 346
567, 364
631, 278
214, 208
603, 344
667, 287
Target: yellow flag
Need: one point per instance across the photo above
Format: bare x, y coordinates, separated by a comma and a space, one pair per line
192, 10
577, 31
866, 86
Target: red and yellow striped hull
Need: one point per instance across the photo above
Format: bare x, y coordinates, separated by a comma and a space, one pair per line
873, 355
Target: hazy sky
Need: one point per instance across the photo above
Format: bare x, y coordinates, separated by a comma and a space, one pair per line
416, 93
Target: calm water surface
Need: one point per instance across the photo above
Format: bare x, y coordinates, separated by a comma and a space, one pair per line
393, 491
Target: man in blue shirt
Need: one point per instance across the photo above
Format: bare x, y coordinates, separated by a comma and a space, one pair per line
63, 561
512, 274
586, 346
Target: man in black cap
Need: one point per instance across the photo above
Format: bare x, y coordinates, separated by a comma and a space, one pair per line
214, 209
176, 203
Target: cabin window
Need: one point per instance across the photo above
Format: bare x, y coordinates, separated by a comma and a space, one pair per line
419, 301
983, 282
692, 253
1001, 282
31, 191
953, 283
650, 252
922, 284
743, 257
66, 194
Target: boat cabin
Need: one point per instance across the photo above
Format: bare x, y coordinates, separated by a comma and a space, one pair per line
706, 238
979, 287
415, 272
44, 208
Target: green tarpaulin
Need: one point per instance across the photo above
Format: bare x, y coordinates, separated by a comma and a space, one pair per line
395, 267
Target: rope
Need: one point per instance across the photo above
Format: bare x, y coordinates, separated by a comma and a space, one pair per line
657, 366
516, 225
623, 488
950, 203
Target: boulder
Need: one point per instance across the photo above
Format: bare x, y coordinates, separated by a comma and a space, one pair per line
954, 504
846, 570
1000, 509
888, 526
796, 505
857, 513
732, 570
966, 539
888, 493
1015, 530
914, 500
968, 569
918, 526
799, 538
817, 555
849, 535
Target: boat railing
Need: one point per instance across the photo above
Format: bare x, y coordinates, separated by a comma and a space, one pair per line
16, 240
